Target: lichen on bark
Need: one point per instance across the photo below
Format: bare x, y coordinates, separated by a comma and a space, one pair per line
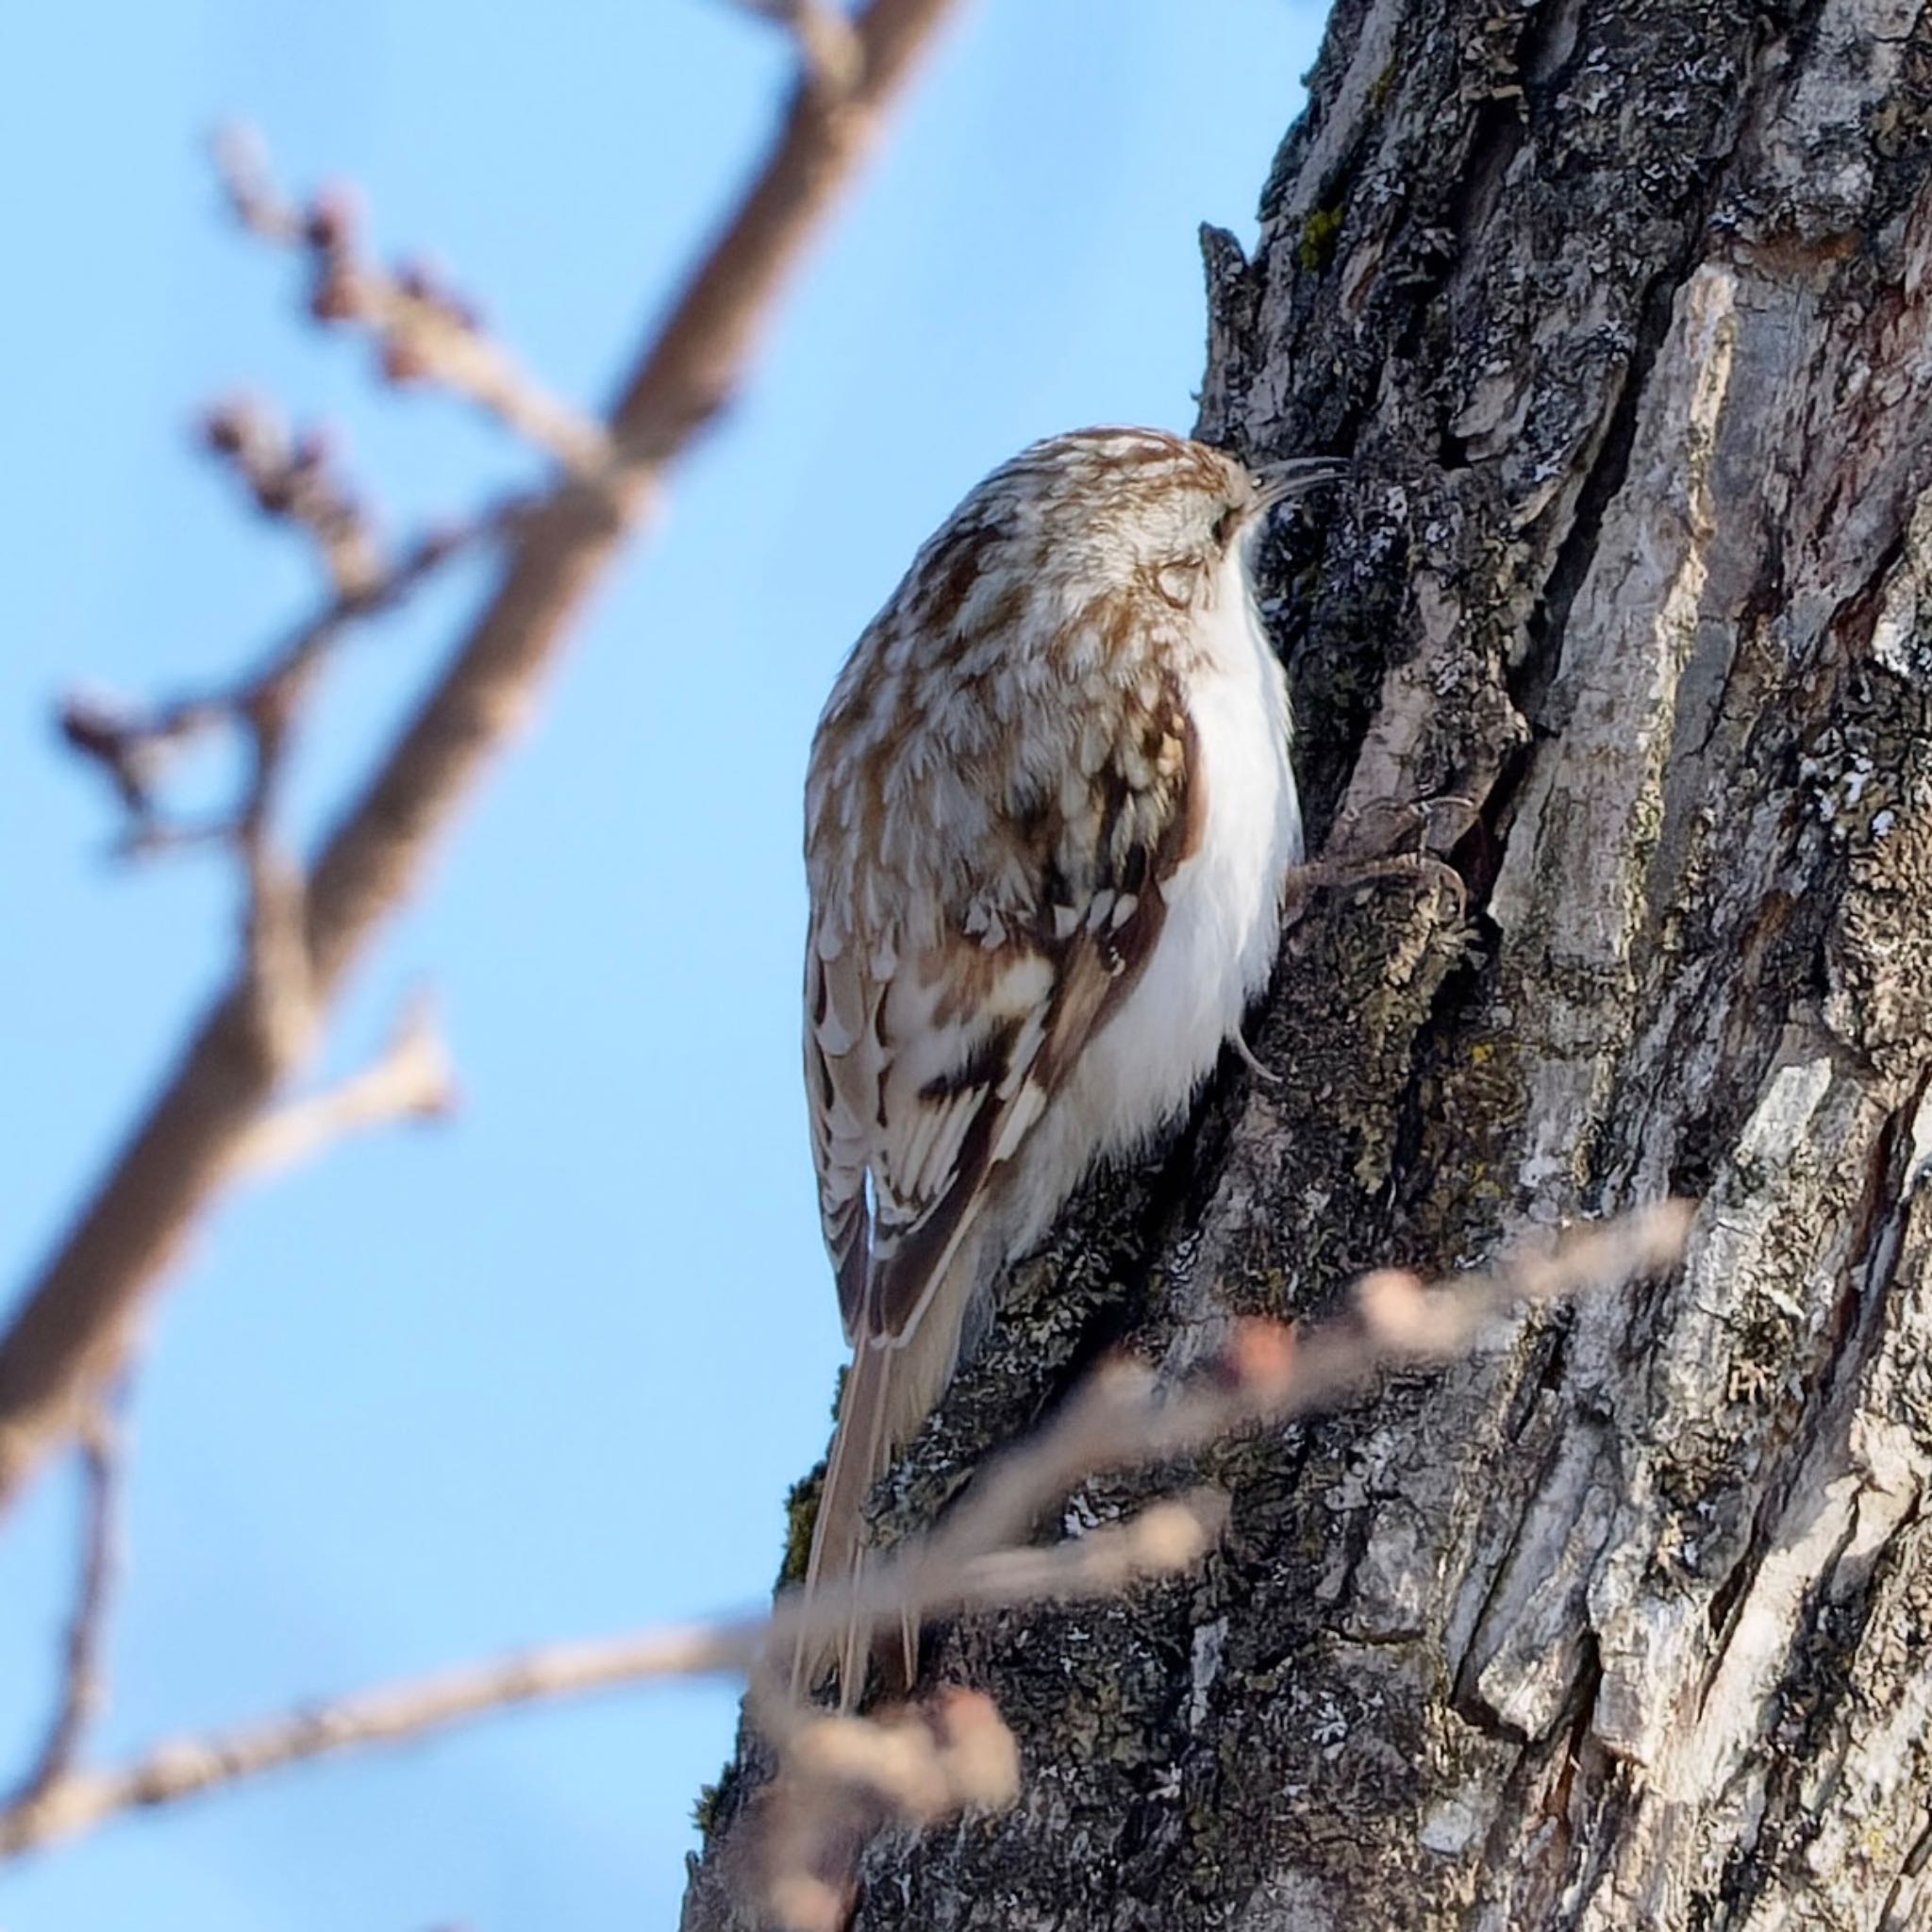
1624, 310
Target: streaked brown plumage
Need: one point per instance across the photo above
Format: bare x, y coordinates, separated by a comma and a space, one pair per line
1049, 816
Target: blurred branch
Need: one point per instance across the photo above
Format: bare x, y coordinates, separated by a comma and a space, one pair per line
83, 1688
294, 480
423, 330
847, 1778
71, 1328
843, 1777
133, 749
1167, 1536
183, 1768
828, 46
1266, 1375
411, 1079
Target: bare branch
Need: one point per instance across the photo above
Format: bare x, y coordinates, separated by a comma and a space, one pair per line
1269, 1374
1160, 1540
815, 1826
828, 47
411, 1079
294, 480
73, 1327
860, 1770
189, 1766
133, 747
1167, 1536
421, 330
82, 1685
845, 1778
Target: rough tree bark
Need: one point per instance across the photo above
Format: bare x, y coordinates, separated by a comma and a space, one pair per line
1625, 308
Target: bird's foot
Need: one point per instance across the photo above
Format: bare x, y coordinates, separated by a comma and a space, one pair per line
1387, 828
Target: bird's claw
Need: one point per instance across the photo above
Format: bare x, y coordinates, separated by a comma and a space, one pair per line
1246, 1054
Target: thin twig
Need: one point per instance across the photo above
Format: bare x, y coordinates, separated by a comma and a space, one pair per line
411, 1079
1270, 1374
1166, 1536
83, 1690
74, 1323
132, 747
829, 49
294, 479
1267, 1374
893, 1770
75, 1801
844, 1779
423, 330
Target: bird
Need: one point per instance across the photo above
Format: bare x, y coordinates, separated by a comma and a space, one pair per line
1050, 817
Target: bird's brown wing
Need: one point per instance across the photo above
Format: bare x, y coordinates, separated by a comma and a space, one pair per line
926, 1071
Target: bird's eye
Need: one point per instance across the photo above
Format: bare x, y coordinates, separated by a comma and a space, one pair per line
1177, 581
1225, 524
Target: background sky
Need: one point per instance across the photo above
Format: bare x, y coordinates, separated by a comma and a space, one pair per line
547, 1370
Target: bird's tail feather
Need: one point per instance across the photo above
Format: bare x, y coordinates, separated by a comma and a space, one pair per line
889, 1389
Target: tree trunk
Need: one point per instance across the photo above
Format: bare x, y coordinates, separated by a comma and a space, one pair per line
1625, 310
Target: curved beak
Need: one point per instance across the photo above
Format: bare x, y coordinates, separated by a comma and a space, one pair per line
1295, 476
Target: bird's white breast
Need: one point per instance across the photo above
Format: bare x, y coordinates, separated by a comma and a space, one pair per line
1223, 905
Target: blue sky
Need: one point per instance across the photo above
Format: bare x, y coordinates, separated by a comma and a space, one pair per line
547, 1370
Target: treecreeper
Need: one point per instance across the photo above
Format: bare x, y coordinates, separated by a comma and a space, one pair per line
1050, 820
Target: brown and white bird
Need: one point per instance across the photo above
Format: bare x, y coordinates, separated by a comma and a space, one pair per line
1049, 818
